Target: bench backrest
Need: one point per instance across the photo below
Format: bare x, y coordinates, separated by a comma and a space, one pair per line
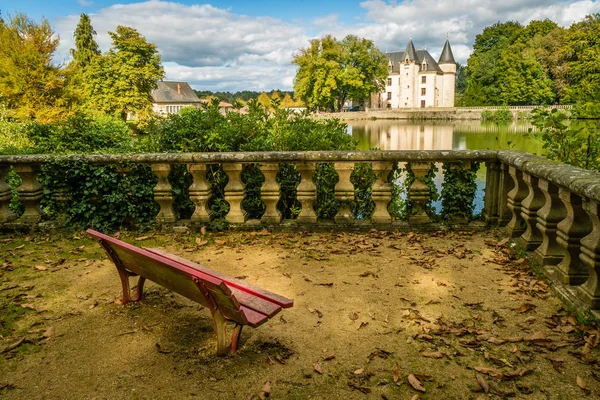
182, 279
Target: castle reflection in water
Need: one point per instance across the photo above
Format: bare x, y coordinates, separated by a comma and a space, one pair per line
441, 135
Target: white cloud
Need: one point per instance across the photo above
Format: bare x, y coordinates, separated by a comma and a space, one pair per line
215, 49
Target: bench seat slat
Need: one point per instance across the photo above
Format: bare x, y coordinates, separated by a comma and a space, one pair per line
232, 282
255, 319
256, 303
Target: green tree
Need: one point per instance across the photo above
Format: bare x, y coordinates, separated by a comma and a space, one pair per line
121, 81
30, 85
483, 70
330, 71
523, 80
582, 54
86, 47
264, 100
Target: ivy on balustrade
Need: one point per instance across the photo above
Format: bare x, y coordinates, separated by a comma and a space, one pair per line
459, 189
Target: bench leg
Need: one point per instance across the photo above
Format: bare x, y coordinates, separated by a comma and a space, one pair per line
220, 323
126, 295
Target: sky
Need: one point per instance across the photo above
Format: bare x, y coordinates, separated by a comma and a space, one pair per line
227, 45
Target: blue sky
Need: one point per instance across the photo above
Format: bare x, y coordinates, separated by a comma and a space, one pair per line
248, 45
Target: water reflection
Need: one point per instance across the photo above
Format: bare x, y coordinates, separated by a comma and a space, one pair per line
443, 135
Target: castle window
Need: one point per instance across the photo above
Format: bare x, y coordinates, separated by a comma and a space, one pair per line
389, 95
423, 91
389, 81
422, 103
423, 79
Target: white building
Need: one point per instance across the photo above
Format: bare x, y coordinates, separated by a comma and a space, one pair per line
416, 80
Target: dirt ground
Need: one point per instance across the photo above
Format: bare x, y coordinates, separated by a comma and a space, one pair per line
376, 316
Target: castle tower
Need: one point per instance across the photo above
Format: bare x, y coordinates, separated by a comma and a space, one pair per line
448, 65
409, 75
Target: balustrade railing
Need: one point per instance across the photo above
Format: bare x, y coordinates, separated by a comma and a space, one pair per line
550, 209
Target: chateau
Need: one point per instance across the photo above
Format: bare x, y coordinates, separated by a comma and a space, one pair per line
415, 79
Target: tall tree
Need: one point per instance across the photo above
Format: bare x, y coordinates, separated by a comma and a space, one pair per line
121, 81
30, 85
330, 71
582, 54
482, 67
86, 47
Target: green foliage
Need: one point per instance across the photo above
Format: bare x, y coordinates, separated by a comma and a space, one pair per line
120, 81
398, 207
499, 116
81, 134
577, 144
459, 189
86, 47
30, 85
363, 178
330, 71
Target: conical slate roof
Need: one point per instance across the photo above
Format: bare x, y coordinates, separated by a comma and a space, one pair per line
410, 51
446, 57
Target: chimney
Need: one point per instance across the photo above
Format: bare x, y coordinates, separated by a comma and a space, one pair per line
179, 88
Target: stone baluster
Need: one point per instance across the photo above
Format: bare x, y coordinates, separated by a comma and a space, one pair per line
419, 193
269, 193
548, 217
235, 192
491, 210
200, 192
381, 193
163, 193
532, 237
30, 192
515, 197
590, 255
506, 185
306, 192
575, 226
5, 195
344, 192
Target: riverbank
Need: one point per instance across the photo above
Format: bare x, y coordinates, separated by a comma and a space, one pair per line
443, 114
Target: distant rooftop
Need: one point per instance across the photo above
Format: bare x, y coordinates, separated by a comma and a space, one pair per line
174, 92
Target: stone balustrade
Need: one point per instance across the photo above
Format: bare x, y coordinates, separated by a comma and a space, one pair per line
550, 209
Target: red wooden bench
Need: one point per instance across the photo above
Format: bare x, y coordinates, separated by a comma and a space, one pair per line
228, 299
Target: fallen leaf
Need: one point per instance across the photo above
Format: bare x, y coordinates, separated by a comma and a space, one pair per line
359, 371
318, 368
142, 238
525, 307
48, 333
396, 373
40, 267
415, 383
265, 391
13, 345
434, 354
28, 306
329, 357
483, 383
201, 242
353, 316
363, 324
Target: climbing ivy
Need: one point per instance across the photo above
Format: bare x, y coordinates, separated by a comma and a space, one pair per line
459, 189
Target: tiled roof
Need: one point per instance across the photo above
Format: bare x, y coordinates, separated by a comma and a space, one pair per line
397, 58
174, 92
447, 57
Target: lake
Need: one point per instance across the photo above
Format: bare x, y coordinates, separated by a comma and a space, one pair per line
443, 135
446, 135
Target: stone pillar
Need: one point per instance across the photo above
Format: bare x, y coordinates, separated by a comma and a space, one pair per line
419, 194
381, 192
548, 217
491, 211
575, 226
306, 193
590, 255
532, 237
30, 192
235, 192
269, 193
344, 192
163, 193
199, 192
5, 196
506, 185
516, 225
